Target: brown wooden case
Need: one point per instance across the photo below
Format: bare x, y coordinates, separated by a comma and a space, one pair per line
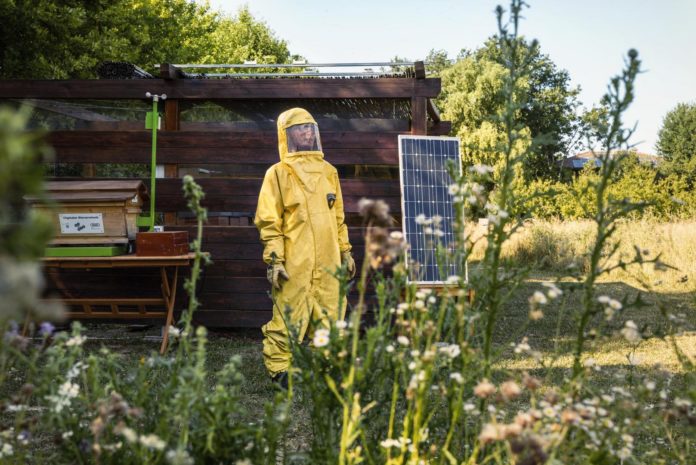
162, 244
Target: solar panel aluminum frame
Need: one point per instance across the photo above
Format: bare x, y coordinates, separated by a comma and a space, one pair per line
401, 137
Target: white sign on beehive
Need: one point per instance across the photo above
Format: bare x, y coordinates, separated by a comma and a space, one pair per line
81, 223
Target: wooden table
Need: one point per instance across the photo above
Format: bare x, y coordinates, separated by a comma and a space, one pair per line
168, 287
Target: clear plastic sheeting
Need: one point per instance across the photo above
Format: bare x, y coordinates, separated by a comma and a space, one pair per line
97, 115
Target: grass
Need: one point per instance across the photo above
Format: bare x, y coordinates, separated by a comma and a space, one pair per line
560, 247
551, 336
547, 248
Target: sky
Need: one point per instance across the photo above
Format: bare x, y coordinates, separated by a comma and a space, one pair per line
588, 38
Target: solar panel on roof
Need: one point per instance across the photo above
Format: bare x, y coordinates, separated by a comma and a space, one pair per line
425, 181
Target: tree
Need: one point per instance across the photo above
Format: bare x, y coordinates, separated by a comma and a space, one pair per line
472, 88
677, 141
68, 39
437, 62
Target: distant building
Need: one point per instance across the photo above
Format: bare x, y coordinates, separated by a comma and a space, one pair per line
577, 162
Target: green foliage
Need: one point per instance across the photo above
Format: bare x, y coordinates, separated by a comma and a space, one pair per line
58, 40
22, 234
677, 141
471, 98
663, 197
429, 368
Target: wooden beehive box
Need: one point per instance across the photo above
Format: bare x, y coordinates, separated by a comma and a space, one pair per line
93, 212
162, 244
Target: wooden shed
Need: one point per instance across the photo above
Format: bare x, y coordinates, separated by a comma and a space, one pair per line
222, 131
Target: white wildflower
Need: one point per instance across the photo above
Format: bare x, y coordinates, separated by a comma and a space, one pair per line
481, 169
420, 219
174, 331
152, 441
403, 340
181, 457
419, 304
452, 351
523, 346
457, 378
68, 390
6, 450
603, 299
553, 292
453, 189
536, 314
321, 337
75, 370
76, 341
624, 453
472, 200
538, 298
129, 434
389, 349
630, 332
341, 324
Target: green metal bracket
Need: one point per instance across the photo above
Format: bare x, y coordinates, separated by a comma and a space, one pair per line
143, 221
86, 251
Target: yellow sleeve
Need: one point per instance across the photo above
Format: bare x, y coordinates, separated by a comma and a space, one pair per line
343, 242
269, 217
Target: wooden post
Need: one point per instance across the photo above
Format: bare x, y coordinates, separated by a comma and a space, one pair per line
171, 123
169, 72
419, 118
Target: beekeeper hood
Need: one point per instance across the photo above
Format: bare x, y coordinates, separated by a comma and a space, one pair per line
298, 134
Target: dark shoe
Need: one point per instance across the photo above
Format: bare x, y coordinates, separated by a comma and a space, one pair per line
281, 380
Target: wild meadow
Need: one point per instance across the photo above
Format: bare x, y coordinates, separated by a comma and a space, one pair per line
569, 343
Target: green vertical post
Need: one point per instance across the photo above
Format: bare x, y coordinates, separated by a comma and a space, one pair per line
153, 160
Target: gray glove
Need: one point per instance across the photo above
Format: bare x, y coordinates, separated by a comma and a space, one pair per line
347, 258
274, 273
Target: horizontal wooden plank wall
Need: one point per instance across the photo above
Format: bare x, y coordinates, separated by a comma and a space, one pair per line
259, 148
233, 291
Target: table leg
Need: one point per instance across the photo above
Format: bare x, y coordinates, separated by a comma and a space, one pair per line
169, 295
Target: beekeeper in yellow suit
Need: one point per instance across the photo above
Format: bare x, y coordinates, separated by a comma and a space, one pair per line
301, 222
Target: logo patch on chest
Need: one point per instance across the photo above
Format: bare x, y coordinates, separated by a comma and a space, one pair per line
331, 199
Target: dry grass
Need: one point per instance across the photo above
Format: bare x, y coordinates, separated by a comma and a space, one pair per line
562, 246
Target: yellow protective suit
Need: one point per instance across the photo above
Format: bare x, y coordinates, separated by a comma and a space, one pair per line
301, 222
